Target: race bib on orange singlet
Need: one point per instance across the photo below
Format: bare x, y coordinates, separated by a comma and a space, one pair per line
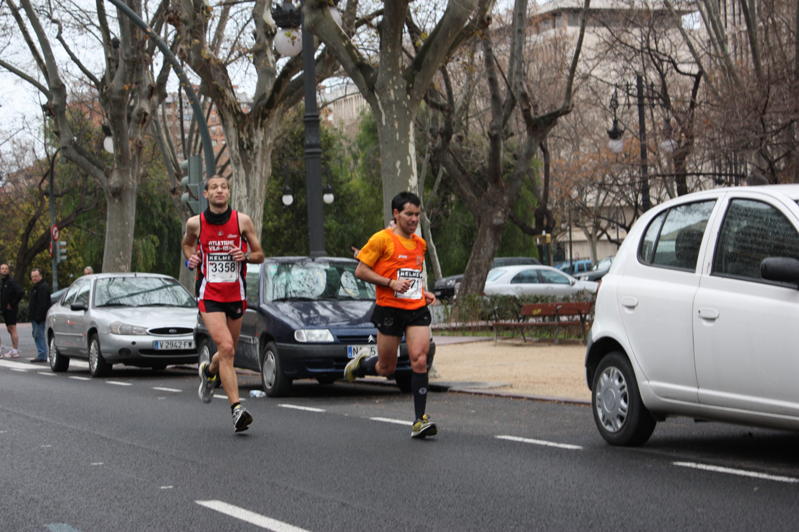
415, 290
222, 268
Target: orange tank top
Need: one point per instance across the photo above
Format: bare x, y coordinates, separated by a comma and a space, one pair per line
403, 264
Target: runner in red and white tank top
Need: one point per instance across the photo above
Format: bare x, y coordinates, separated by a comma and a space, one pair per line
221, 241
220, 278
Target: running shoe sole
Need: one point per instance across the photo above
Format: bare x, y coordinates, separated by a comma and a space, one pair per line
242, 422
429, 429
352, 366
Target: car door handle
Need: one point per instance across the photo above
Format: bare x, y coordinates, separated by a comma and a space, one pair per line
629, 302
709, 314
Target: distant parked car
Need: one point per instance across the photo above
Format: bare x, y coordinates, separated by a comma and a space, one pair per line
534, 280
598, 271
698, 315
575, 267
305, 318
139, 319
447, 287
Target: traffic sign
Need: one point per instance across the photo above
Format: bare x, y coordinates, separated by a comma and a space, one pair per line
54, 232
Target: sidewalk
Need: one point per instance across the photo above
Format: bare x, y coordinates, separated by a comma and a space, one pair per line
511, 368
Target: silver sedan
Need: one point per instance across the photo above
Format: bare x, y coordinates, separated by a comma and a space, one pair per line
139, 319
534, 281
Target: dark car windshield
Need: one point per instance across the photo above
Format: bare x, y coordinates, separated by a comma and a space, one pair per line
315, 281
141, 292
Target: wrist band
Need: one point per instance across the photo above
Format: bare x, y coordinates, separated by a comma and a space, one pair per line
187, 264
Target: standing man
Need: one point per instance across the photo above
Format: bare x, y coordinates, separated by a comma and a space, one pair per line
37, 310
221, 241
393, 259
10, 294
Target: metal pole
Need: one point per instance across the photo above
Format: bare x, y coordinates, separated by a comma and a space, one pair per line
571, 252
313, 150
646, 202
54, 243
208, 148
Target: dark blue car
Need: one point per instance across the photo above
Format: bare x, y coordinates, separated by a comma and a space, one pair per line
306, 318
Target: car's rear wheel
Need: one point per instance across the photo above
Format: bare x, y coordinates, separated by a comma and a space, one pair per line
55, 359
204, 353
619, 413
98, 367
274, 382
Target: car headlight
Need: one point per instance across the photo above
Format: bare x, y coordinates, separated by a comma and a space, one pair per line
126, 329
313, 335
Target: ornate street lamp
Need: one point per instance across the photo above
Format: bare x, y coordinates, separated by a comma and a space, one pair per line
615, 133
291, 39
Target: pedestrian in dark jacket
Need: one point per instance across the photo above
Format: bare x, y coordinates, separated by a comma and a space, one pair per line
10, 294
39, 303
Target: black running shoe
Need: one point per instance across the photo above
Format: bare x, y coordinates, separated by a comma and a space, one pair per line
241, 419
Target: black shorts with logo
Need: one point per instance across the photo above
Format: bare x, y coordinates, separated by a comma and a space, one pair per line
233, 309
393, 321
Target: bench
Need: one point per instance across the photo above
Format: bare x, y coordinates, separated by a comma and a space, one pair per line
555, 315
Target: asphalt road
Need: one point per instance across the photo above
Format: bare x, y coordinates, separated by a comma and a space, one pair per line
139, 451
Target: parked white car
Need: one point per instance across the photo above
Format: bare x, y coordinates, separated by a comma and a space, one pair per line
534, 280
698, 315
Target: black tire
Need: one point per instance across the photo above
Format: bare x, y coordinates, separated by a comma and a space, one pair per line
274, 382
403, 381
98, 367
158, 367
55, 359
204, 352
619, 414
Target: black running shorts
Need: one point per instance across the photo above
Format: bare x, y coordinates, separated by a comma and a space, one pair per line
232, 309
10, 316
393, 321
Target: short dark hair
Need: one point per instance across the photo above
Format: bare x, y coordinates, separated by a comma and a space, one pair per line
215, 176
402, 198
36, 270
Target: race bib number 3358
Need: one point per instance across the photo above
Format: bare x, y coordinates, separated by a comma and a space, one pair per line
222, 268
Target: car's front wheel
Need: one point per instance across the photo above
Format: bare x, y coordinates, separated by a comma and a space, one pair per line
98, 367
274, 382
619, 413
55, 359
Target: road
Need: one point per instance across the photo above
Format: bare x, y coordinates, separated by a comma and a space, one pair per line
139, 451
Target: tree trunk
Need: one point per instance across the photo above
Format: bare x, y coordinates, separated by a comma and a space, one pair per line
119, 223
491, 221
395, 119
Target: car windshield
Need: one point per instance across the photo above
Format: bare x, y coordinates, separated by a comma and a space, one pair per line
312, 281
141, 292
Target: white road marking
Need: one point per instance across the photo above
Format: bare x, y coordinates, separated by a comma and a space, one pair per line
79, 378
541, 442
46, 373
119, 383
18, 370
225, 397
298, 407
250, 517
163, 389
166, 487
10, 364
96, 464
390, 420
739, 472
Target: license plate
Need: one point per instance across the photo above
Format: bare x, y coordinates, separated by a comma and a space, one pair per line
355, 350
173, 345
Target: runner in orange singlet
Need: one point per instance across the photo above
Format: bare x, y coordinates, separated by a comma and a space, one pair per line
393, 260
221, 241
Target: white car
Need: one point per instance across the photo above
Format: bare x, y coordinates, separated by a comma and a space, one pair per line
534, 280
698, 315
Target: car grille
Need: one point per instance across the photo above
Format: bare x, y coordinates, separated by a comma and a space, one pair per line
169, 331
361, 338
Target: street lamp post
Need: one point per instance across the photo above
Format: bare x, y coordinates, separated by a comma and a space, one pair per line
289, 17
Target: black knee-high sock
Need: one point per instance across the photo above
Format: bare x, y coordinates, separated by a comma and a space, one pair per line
367, 366
419, 389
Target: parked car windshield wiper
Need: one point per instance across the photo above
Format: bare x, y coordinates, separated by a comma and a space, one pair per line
294, 298
113, 305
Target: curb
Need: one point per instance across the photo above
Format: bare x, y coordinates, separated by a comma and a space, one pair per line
485, 389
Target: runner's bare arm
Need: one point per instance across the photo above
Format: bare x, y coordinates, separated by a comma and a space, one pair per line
190, 239
365, 273
255, 255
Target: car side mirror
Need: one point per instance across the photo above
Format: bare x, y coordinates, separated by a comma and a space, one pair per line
78, 306
783, 269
